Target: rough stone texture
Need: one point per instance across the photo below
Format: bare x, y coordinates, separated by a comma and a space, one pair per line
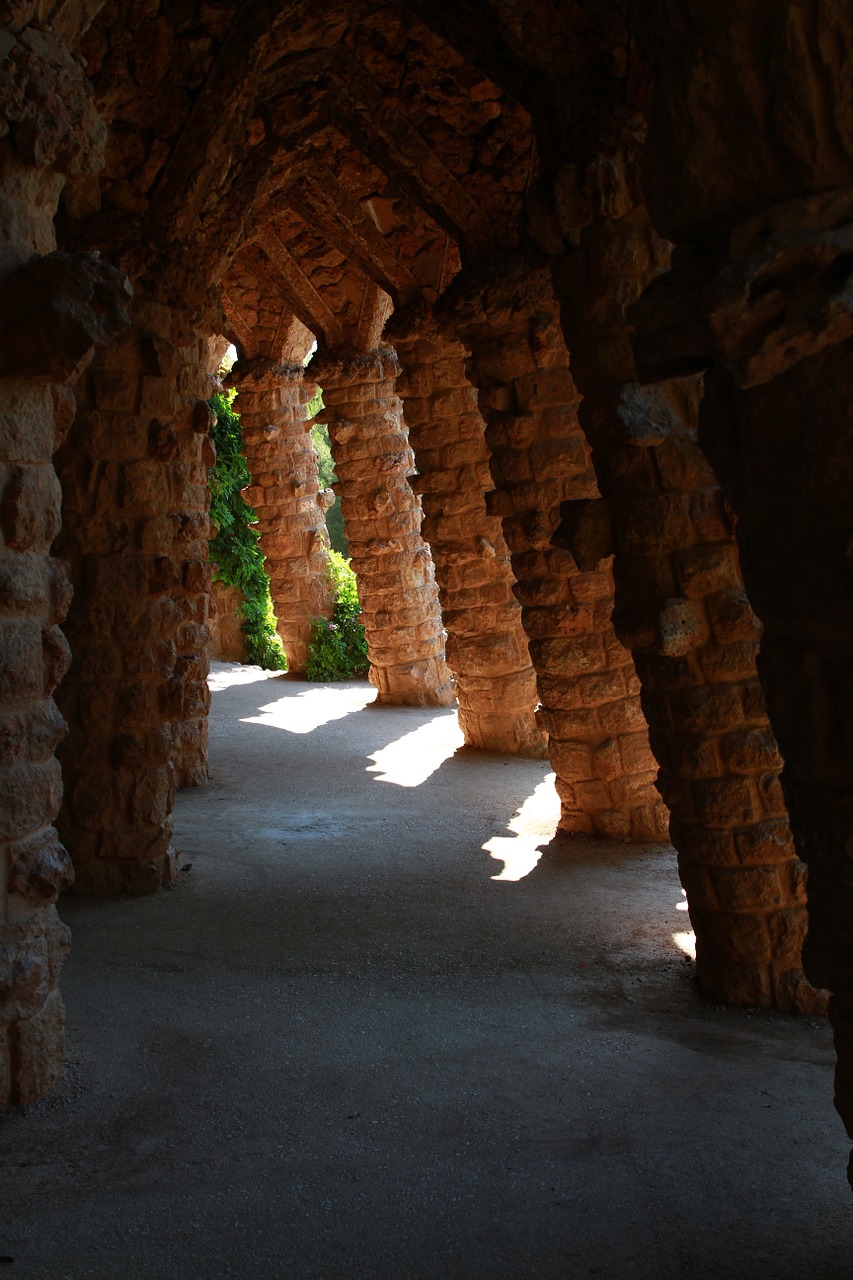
764, 160
227, 642
134, 477
285, 493
598, 741
54, 309
393, 566
354, 158
682, 609
486, 645
794, 532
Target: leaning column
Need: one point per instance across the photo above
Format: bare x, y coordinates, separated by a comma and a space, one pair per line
392, 562
486, 645
598, 740
285, 493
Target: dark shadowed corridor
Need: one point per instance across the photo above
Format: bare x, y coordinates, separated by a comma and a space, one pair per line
349, 1044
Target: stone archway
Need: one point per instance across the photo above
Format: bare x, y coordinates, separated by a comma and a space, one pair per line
401, 158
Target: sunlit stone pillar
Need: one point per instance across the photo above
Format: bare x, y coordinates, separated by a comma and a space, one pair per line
682, 609
598, 740
486, 645
285, 494
392, 562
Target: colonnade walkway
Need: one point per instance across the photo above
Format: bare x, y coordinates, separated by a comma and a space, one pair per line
383, 1027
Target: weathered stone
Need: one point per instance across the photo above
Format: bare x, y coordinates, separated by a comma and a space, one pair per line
56, 310
734, 125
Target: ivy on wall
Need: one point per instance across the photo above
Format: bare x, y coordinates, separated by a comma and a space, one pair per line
235, 550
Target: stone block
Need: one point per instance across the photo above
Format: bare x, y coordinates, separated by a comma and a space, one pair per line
653, 525
750, 750
706, 570
57, 309
724, 802
572, 760
727, 664
751, 889
705, 709
30, 796
24, 584
40, 867
151, 797
681, 628
56, 658
622, 716
21, 675
30, 508
766, 842
24, 968
578, 656
708, 845
731, 617
39, 1052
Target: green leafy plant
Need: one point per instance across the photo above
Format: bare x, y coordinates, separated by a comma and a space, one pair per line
326, 470
235, 549
338, 649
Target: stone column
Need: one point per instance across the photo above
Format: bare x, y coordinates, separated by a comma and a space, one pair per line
396, 584
682, 609
134, 478
598, 741
55, 309
285, 494
486, 645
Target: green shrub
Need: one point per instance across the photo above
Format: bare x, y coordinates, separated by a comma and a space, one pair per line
338, 649
326, 469
235, 550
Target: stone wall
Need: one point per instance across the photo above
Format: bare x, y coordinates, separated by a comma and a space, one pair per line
682, 172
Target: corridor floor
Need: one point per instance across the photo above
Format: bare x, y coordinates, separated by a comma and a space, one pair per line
368, 1036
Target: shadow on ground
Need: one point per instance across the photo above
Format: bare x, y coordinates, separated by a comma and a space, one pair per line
369, 1035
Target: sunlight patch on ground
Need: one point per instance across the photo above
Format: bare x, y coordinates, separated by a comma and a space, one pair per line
533, 826
305, 712
686, 942
223, 676
413, 758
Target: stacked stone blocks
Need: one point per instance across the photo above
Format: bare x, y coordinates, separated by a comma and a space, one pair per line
598, 741
486, 645
134, 474
682, 610
393, 566
285, 494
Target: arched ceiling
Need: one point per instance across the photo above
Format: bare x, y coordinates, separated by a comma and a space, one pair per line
326, 153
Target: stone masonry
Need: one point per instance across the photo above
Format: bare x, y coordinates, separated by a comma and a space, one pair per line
392, 562
486, 646
134, 477
632, 225
285, 494
598, 742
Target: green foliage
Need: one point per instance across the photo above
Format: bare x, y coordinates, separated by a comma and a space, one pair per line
326, 468
325, 463
338, 647
235, 549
